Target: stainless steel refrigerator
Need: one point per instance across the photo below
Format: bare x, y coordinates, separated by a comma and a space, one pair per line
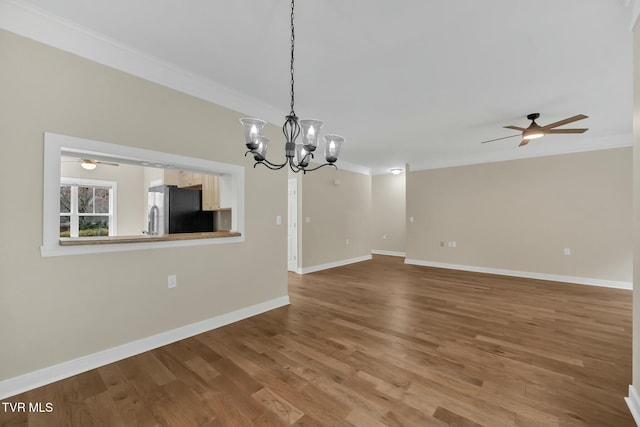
176, 210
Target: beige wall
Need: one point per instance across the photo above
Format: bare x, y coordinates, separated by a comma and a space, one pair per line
520, 215
336, 213
636, 207
388, 212
130, 206
56, 309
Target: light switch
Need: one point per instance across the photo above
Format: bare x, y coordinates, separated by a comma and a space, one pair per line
307, 219
172, 281
278, 220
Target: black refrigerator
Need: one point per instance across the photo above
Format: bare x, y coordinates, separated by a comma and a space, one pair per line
177, 210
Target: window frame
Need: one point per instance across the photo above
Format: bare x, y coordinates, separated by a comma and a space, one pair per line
74, 215
56, 145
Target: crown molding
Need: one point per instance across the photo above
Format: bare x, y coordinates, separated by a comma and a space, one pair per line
38, 25
352, 167
596, 144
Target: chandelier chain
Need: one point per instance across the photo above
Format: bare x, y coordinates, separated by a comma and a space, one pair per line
293, 40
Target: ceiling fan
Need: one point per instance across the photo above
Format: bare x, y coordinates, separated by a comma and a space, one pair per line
536, 131
90, 164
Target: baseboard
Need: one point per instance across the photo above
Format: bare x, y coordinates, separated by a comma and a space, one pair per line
526, 274
329, 265
26, 382
389, 253
633, 402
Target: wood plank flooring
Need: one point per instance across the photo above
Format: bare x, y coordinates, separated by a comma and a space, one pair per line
378, 343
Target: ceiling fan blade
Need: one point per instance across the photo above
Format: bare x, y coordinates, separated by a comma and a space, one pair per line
107, 163
524, 142
498, 139
514, 128
580, 130
565, 121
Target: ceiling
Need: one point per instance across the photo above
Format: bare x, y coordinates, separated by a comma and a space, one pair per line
406, 82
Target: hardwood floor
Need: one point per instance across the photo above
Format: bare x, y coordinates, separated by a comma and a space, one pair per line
377, 343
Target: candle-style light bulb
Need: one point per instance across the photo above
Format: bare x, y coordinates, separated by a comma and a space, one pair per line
310, 130
302, 156
252, 129
332, 147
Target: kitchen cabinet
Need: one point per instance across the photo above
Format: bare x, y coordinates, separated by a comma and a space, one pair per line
209, 184
210, 192
189, 179
171, 177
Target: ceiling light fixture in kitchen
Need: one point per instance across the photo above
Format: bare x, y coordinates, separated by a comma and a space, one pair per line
297, 156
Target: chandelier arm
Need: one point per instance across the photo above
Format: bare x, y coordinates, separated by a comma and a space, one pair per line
293, 166
318, 167
269, 165
277, 166
266, 162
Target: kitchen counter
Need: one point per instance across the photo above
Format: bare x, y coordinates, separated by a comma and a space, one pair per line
102, 240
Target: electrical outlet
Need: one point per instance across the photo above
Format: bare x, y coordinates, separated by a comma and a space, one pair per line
410, 219
384, 236
278, 220
347, 241
307, 219
172, 281
453, 244
567, 251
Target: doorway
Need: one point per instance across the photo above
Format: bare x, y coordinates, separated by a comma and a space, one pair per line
292, 226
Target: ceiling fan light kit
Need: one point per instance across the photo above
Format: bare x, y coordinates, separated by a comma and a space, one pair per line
88, 164
535, 131
297, 156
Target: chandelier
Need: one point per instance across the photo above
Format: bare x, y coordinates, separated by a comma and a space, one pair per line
297, 155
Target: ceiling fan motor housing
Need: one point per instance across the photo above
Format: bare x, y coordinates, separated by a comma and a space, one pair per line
534, 130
